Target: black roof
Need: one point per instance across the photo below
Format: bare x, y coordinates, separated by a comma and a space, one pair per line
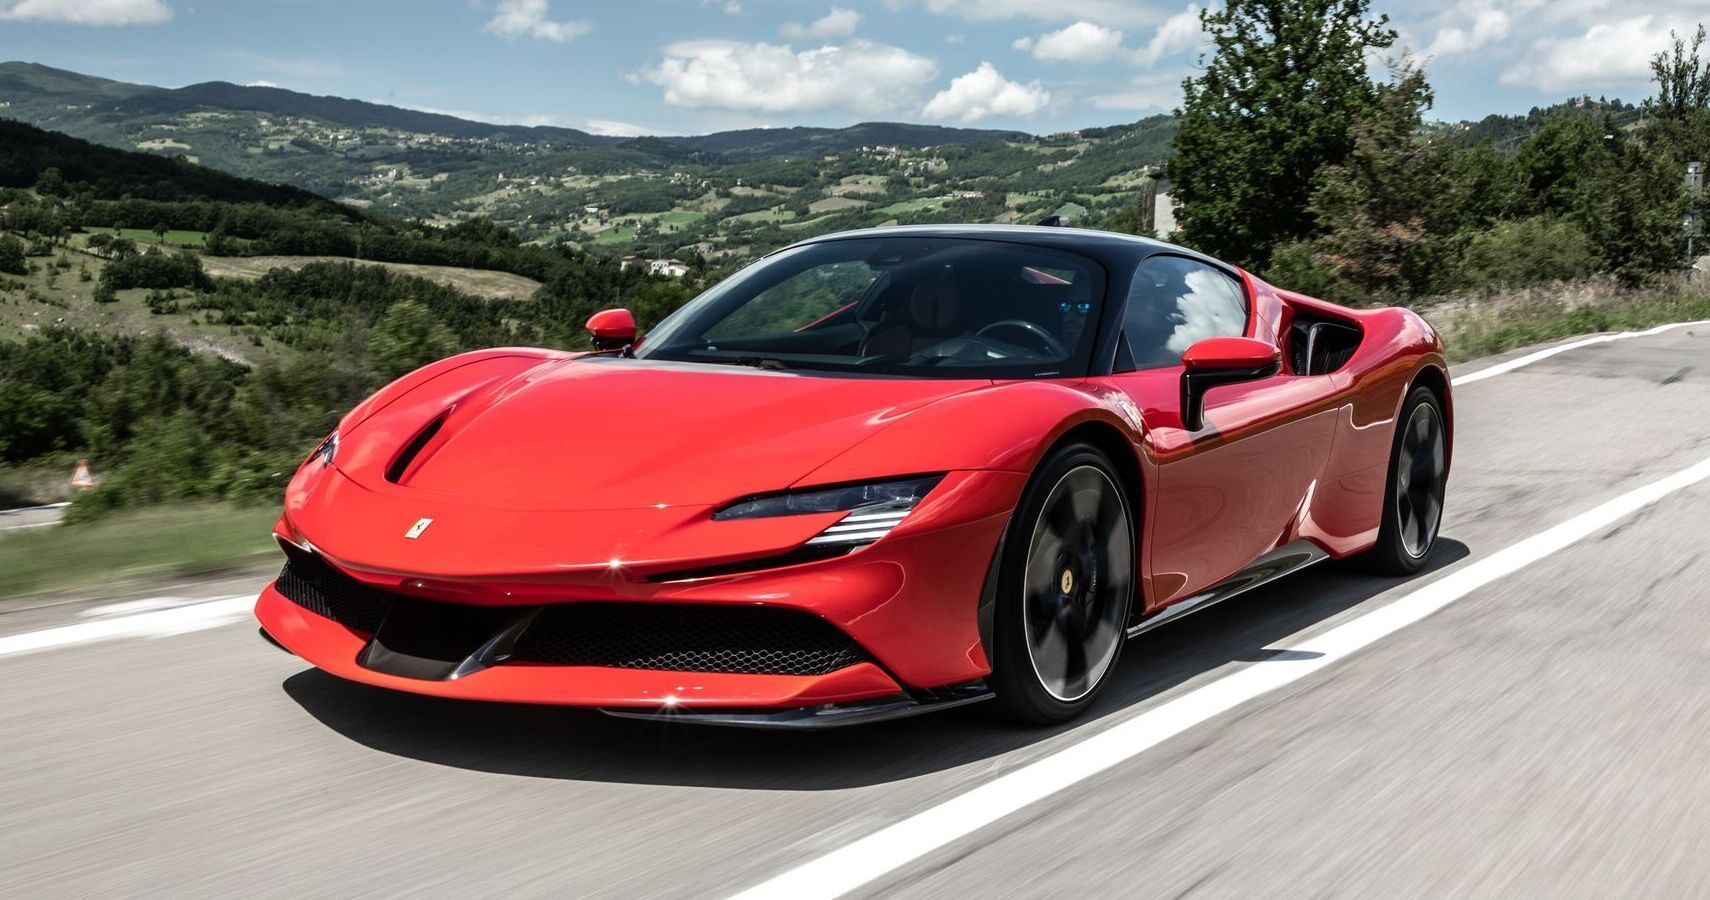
1106, 246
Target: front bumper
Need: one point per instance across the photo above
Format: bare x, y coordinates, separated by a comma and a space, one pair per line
909, 603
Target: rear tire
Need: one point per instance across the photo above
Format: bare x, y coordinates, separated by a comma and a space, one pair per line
1413, 495
1065, 585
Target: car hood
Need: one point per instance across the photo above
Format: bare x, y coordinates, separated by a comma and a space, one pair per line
603, 433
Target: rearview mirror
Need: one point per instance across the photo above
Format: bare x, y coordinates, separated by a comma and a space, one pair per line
612, 329
1218, 361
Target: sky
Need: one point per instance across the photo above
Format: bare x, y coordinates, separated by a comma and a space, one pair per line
694, 66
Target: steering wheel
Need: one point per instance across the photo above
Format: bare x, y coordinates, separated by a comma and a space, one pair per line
1051, 345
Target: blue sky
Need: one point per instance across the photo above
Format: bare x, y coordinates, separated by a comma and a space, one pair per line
691, 66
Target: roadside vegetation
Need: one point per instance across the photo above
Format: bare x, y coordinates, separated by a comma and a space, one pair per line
155, 543
1478, 325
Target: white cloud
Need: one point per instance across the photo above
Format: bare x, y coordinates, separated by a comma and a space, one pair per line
614, 128
260, 84
860, 76
985, 92
513, 19
1179, 32
1082, 42
87, 12
1607, 54
1153, 92
1112, 13
1483, 22
840, 22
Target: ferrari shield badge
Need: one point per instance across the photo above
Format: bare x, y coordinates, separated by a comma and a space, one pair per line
417, 529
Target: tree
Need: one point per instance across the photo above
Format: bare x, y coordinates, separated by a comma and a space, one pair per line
1632, 209
1379, 208
12, 260
1276, 102
50, 183
409, 337
160, 231
1683, 79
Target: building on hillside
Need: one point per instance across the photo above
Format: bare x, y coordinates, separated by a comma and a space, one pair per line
671, 268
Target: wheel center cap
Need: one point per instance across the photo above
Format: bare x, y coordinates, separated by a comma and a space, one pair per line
1067, 582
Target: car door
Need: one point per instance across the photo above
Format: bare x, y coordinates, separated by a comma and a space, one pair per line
1235, 488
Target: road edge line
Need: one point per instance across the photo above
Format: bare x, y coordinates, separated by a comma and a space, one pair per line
882, 852
1519, 362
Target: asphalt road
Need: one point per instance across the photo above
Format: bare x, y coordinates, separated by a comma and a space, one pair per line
1544, 734
30, 517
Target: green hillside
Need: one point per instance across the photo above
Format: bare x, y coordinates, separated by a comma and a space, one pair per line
725, 194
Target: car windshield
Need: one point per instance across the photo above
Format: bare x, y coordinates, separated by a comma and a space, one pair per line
947, 307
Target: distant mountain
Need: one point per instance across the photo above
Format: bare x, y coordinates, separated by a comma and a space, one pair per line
730, 193
47, 95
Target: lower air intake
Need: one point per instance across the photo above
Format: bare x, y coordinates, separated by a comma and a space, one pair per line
674, 637
319, 588
671, 637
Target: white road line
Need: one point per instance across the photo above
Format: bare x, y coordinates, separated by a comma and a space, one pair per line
884, 851
160, 623
1530, 358
18, 509
31, 525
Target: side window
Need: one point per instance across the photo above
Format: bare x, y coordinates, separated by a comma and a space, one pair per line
1174, 303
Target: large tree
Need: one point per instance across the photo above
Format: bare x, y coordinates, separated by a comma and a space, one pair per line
1682, 77
1276, 101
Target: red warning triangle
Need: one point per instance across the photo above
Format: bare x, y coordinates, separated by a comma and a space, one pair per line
80, 477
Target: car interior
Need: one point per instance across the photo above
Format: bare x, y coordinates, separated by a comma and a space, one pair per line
953, 307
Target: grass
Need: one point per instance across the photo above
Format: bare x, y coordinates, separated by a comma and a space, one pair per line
904, 207
1482, 325
173, 541
174, 237
49, 296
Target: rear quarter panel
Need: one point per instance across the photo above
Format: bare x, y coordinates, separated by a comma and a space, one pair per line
1397, 349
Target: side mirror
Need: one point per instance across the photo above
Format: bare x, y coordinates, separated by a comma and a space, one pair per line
612, 329
1219, 361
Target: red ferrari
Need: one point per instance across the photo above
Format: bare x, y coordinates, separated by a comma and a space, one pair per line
871, 475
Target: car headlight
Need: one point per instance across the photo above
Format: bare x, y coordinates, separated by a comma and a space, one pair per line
873, 509
325, 450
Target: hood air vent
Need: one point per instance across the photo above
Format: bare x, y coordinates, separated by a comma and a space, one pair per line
395, 471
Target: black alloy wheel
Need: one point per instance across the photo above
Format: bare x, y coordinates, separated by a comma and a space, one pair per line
1418, 479
1066, 587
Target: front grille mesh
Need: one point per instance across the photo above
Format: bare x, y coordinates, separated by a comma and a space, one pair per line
745, 640
319, 588
672, 637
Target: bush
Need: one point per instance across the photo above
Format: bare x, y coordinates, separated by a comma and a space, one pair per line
156, 270
12, 260
1524, 252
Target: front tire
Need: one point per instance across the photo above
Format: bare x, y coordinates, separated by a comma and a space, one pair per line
1066, 582
1413, 497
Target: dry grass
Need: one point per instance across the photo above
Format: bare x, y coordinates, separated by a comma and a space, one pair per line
1483, 324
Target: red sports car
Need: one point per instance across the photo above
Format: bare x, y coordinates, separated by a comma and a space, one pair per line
870, 475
